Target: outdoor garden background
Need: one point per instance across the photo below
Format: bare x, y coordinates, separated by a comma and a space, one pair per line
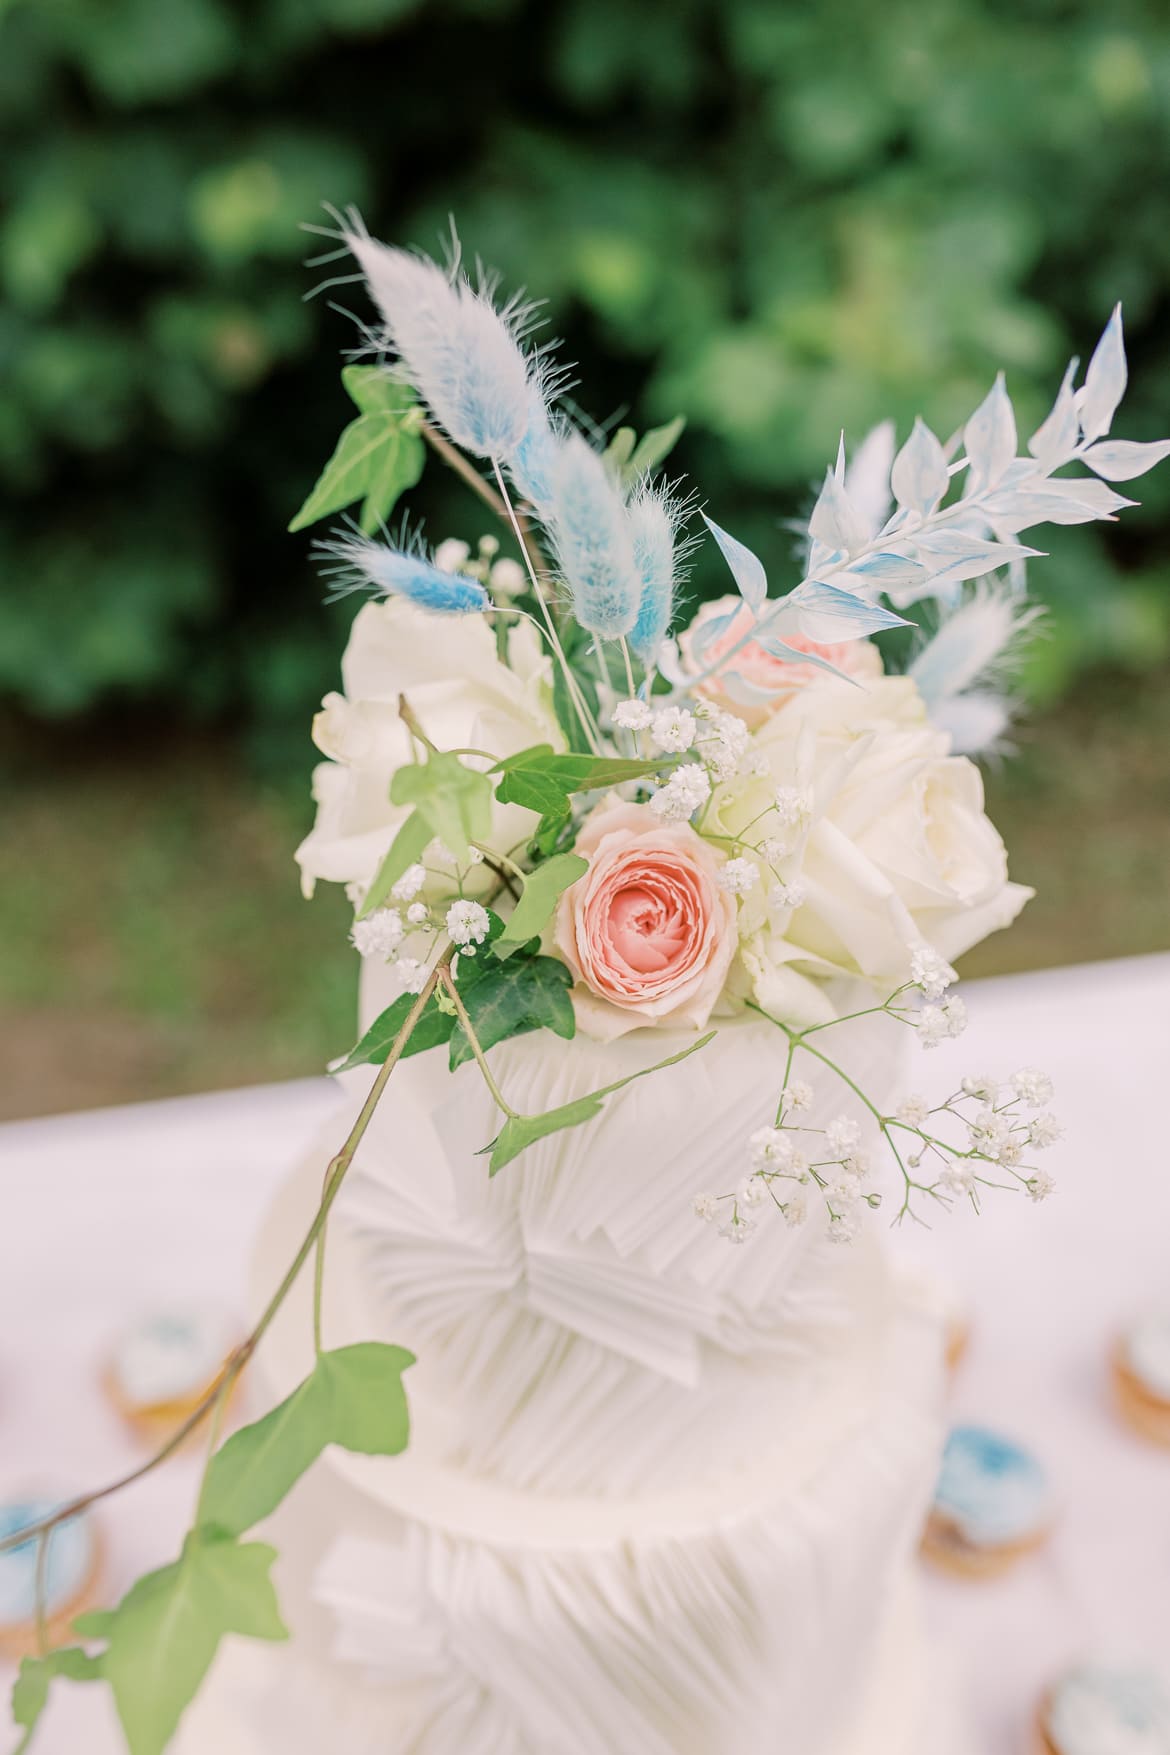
765, 216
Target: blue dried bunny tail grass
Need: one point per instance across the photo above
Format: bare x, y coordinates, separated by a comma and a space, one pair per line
397, 569
459, 351
655, 516
592, 541
533, 462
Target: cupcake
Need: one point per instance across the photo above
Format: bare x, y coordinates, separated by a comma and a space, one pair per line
992, 1504
70, 1571
163, 1366
1097, 1710
1141, 1375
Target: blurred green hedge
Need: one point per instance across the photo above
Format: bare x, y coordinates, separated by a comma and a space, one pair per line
771, 217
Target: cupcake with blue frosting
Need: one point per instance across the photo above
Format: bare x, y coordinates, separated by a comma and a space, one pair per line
1141, 1375
165, 1364
1097, 1709
992, 1504
70, 1570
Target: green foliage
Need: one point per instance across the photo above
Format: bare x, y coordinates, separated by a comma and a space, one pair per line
30, 1691
630, 457
521, 1131
542, 890
502, 999
378, 456
544, 782
353, 1397
771, 218
454, 801
163, 1635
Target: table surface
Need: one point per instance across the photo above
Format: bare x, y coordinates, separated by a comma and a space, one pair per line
115, 1211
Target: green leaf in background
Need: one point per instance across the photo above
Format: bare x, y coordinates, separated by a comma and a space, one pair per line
455, 800
406, 849
653, 448
542, 890
619, 451
510, 999
30, 1691
353, 1397
541, 780
167, 1628
521, 1131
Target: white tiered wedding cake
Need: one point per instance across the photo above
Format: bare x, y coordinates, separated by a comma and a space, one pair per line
661, 1496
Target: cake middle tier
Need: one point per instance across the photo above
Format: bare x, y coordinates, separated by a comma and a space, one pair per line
576, 1328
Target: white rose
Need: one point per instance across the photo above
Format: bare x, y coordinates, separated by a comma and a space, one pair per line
897, 848
462, 696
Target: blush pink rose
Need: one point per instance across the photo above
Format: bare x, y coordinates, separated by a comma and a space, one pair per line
647, 931
859, 659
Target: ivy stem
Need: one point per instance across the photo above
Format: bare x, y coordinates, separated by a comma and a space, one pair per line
588, 724
497, 1095
335, 1175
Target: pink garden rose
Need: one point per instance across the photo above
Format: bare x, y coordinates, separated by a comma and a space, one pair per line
858, 659
647, 931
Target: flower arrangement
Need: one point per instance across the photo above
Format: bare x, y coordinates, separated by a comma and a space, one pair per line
555, 807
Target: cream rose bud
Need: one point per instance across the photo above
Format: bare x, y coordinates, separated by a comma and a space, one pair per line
898, 851
647, 931
858, 659
463, 697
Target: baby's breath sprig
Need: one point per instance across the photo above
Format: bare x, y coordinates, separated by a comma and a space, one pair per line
979, 1135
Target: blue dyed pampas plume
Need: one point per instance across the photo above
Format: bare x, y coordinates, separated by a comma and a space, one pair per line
360, 564
654, 516
593, 542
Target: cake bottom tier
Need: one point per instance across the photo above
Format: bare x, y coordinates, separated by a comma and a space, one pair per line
263, 1700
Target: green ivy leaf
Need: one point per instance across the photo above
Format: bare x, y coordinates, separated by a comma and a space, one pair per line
374, 390
376, 460
30, 1691
528, 993
431, 1031
521, 1131
619, 451
543, 781
406, 849
353, 1397
455, 800
542, 890
167, 1628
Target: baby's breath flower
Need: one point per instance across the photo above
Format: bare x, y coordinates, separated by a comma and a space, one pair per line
411, 973
705, 1207
437, 852
410, 883
632, 715
467, 922
857, 1164
956, 1177
1044, 1130
687, 789
770, 1148
737, 1229
1011, 1150
1032, 1087
738, 876
954, 1010
841, 1136
798, 1095
722, 743
753, 763
913, 1110
450, 555
672, 729
793, 806
787, 895
795, 1209
844, 1227
752, 1193
842, 1192
981, 1086
931, 972
475, 855
417, 913
379, 934
1040, 1185
937, 1022
507, 579
772, 849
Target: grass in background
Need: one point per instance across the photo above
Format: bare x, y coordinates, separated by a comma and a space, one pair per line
155, 939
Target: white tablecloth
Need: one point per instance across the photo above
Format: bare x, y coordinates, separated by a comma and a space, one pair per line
107, 1213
